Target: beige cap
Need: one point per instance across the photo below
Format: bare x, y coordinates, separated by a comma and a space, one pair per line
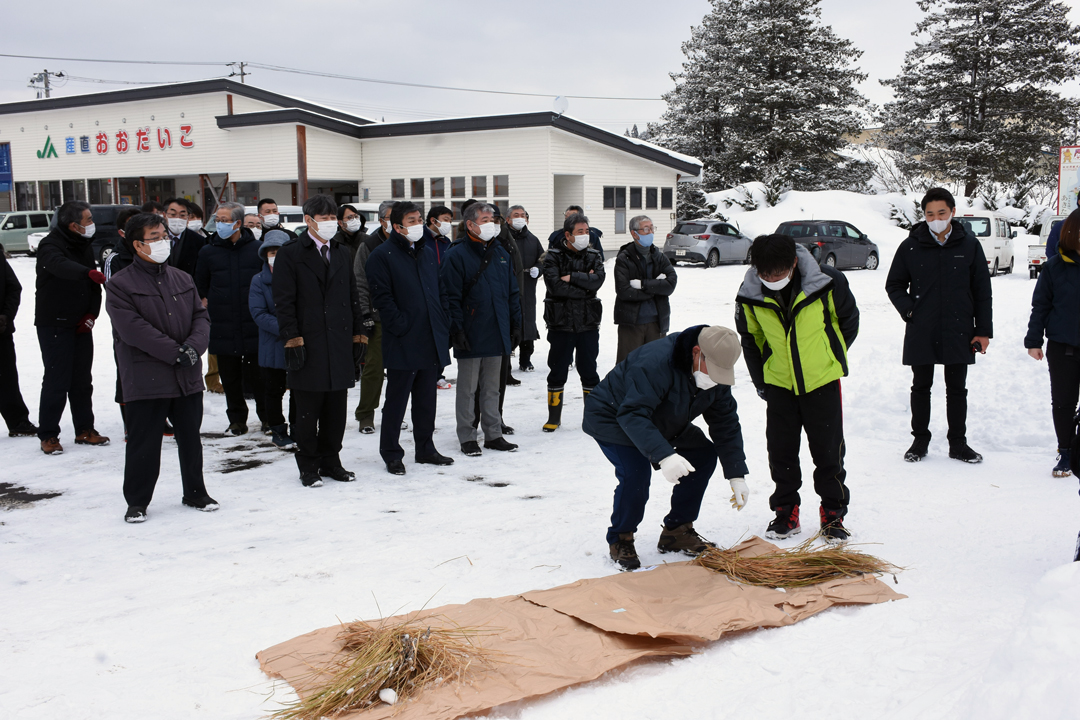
721, 349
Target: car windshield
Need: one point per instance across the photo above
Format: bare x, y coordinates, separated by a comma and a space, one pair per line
798, 230
689, 228
979, 227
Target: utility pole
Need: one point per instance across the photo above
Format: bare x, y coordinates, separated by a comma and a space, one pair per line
242, 73
43, 78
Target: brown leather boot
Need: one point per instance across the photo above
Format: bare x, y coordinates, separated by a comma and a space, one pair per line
51, 446
91, 437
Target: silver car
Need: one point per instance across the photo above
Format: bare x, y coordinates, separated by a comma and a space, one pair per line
707, 241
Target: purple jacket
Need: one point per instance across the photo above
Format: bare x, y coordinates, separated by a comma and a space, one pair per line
154, 310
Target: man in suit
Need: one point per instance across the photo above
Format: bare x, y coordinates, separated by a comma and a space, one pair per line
185, 243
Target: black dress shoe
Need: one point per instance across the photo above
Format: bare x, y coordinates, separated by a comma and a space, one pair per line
23, 429
435, 459
395, 467
311, 480
512, 381
500, 444
201, 502
507, 430
339, 473
471, 448
135, 514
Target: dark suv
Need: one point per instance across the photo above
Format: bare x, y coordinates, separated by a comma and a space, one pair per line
834, 243
105, 235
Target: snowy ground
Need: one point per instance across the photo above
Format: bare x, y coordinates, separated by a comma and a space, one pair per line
162, 620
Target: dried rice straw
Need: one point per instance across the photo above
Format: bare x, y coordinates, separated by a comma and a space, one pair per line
801, 566
404, 657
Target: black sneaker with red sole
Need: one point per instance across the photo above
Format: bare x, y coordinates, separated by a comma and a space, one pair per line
832, 526
785, 524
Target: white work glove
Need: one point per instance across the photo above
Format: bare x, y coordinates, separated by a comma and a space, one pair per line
661, 276
534, 272
675, 467
636, 284
741, 493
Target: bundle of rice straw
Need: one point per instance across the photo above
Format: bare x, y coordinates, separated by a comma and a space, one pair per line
799, 567
401, 657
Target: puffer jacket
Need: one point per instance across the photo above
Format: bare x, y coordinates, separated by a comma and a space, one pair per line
572, 306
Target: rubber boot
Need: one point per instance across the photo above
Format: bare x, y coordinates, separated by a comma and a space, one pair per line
555, 405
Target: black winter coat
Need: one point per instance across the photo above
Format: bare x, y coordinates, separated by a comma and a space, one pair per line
404, 283
65, 292
10, 294
223, 278
630, 265
532, 253
319, 303
185, 251
573, 306
491, 310
943, 293
1055, 304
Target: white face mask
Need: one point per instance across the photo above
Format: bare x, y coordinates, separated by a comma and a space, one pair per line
326, 229
414, 232
88, 231
488, 231
519, 223
270, 221
194, 225
777, 284
581, 241
159, 251
257, 232
703, 381
270, 260
939, 226
445, 229
353, 224
387, 226
177, 225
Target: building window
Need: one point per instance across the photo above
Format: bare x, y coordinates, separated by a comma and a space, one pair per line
397, 188
615, 199
479, 186
635, 198
420, 204
438, 187
417, 187
650, 198
457, 186
502, 185
74, 190
665, 198
101, 191
504, 207
456, 207
609, 198
25, 197
50, 194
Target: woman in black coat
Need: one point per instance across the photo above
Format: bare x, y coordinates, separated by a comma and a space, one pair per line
532, 262
1055, 311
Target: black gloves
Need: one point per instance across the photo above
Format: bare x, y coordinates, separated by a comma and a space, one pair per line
295, 357
516, 336
761, 393
369, 325
359, 354
462, 341
187, 356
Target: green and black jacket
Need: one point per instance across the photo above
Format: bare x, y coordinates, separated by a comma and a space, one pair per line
799, 345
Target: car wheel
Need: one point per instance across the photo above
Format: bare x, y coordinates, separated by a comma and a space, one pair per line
871, 261
1032, 274
714, 258
830, 260
105, 253
994, 271
748, 259
1009, 270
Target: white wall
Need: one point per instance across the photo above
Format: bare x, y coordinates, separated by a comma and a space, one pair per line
331, 156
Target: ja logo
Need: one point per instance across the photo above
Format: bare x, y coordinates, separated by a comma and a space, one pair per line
48, 151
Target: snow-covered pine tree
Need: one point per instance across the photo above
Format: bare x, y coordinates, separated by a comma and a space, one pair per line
976, 99
767, 93
692, 203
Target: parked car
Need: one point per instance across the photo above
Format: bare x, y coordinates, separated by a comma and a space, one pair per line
33, 240
1037, 253
290, 217
996, 236
16, 226
105, 235
707, 241
834, 243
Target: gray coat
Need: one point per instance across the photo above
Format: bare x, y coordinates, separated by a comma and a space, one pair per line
154, 310
363, 290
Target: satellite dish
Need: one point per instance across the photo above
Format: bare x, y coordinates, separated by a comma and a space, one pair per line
561, 105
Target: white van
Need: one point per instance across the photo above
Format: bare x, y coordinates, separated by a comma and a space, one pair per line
1037, 253
993, 231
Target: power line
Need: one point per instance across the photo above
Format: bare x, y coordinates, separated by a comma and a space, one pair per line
122, 62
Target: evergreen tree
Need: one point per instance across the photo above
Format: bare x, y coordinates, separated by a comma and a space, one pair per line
692, 203
767, 93
975, 100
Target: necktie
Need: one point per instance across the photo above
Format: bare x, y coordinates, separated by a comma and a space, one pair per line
325, 250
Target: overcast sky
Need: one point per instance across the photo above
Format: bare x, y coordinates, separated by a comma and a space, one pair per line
611, 48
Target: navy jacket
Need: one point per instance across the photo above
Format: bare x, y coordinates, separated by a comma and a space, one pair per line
493, 306
943, 293
1055, 304
649, 402
404, 285
263, 312
223, 277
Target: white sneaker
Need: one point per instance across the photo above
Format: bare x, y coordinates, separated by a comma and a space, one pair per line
444, 384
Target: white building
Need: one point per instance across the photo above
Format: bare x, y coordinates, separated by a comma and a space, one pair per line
217, 140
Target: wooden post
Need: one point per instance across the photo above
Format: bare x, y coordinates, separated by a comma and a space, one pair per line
294, 193
142, 189
228, 101
301, 164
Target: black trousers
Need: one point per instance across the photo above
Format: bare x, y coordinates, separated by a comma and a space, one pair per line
1064, 362
504, 375
235, 372
955, 402
422, 386
12, 407
561, 354
146, 423
821, 415
319, 428
525, 353
68, 357
274, 387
